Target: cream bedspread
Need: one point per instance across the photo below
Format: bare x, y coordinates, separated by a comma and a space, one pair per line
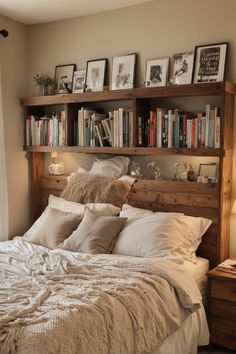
69, 303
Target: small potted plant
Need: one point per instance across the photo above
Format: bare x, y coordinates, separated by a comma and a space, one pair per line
45, 83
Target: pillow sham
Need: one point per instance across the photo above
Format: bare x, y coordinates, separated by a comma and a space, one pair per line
95, 234
67, 206
56, 227
86, 188
161, 235
116, 166
131, 212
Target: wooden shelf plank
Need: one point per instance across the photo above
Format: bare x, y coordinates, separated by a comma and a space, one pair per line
206, 89
127, 150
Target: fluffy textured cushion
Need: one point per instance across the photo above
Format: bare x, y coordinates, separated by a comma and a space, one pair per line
161, 235
57, 226
95, 234
86, 188
116, 166
76, 208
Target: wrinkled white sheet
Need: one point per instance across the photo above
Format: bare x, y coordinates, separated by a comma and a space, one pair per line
63, 302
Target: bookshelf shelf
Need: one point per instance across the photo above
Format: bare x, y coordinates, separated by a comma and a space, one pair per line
127, 150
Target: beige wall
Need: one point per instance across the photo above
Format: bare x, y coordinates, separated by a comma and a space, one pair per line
13, 65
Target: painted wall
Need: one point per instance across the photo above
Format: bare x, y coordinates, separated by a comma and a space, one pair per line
13, 63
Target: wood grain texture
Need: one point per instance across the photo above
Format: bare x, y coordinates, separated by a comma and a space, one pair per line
36, 189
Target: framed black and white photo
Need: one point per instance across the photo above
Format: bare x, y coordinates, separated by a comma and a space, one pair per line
79, 81
183, 68
64, 78
123, 71
209, 63
95, 75
157, 72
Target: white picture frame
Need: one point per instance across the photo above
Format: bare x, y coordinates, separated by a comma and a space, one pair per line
123, 71
95, 75
157, 71
183, 68
79, 81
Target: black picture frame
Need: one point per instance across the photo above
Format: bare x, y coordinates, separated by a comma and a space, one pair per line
96, 74
209, 63
127, 63
64, 78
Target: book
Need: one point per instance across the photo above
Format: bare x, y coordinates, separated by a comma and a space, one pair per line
228, 266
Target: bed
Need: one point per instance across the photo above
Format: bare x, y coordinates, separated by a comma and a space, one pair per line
59, 301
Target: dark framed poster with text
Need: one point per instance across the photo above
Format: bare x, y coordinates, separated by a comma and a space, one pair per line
209, 63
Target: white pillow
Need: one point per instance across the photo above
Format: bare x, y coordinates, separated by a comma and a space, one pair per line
131, 212
116, 166
160, 235
72, 207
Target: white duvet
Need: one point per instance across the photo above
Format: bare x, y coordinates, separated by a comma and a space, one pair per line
69, 303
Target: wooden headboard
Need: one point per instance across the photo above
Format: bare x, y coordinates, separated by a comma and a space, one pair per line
191, 198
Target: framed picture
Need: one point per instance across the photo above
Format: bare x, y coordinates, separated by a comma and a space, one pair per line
208, 170
183, 68
123, 71
209, 63
95, 75
79, 81
157, 72
64, 78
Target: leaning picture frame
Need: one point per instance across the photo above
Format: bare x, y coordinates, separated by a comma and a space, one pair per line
157, 71
208, 170
96, 74
123, 72
79, 81
64, 78
209, 63
182, 68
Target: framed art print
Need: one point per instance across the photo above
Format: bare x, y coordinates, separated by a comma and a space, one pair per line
79, 81
64, 78
209, 63
95, 76
183, 68
157, 72
123, 70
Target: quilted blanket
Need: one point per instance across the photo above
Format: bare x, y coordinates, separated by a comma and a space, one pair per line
69, 303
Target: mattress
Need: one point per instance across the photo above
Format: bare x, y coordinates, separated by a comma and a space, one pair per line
198, 272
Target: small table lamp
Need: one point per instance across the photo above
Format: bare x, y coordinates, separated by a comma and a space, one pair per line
56, 168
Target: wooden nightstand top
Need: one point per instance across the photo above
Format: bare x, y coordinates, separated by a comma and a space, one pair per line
217, 274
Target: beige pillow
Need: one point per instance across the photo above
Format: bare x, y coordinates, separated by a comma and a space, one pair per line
95, 234
86, 188
56, 227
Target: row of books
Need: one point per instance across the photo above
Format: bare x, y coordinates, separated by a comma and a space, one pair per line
49, 130
171, 128
96, 129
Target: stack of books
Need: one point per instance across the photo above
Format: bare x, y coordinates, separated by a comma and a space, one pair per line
49, 130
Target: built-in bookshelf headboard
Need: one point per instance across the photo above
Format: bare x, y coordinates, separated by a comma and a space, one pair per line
191, 198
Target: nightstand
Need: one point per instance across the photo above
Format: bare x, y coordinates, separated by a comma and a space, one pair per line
222, 308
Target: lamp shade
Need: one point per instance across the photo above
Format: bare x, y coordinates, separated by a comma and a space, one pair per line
54, 154
233, 211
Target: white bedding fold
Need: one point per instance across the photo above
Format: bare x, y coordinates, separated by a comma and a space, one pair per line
63, 302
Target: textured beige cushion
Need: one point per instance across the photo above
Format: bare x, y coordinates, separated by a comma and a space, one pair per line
86, 188
56, 227
95, 234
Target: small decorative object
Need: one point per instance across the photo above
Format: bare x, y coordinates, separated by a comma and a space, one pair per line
190, 173
56, 168
64, 78
96, 74
45, 83
123, 71
181, 171
183, 68
157, 72
153, 170
209, 62
136, 170
208, 170
79, 81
